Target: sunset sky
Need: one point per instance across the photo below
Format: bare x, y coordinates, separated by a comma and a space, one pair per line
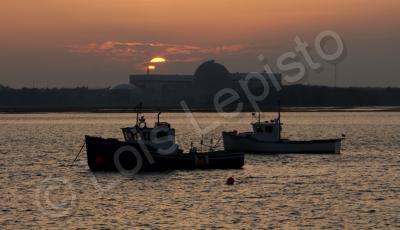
98, 43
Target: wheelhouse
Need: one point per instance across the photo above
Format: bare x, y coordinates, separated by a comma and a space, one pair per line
267, 130
161, 136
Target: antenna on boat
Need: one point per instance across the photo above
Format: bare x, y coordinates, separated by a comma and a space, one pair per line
279, 118
279, 111
201, 143
158, 117
138, 111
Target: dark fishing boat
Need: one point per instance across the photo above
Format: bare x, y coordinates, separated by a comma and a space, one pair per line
148, 149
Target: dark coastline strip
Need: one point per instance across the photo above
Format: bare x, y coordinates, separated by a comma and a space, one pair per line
180, 110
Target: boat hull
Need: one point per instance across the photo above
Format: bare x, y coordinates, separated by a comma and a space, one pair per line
248, 144
109, 155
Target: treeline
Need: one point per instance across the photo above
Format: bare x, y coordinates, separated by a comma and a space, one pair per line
343, 97
85, 99
51, 98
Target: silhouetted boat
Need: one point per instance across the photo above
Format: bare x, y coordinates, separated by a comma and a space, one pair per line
266, 138
147, 149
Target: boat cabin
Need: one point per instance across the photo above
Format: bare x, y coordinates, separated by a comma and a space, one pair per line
267, 130
160, 137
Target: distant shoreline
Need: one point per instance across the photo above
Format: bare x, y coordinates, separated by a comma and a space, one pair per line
197, 110
296, 98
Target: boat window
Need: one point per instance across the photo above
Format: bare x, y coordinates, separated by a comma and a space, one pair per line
258, 129
146, 135
161, 134
268, 129
137, 136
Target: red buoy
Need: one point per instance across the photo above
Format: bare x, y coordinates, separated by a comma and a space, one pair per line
230, 181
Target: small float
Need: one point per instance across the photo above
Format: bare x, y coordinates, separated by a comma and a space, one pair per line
153, 148
266, 139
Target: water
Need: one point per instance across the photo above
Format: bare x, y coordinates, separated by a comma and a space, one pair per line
359, 188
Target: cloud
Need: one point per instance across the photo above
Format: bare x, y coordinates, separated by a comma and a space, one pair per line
140, 52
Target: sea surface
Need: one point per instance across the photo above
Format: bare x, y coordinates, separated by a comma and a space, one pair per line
360, 188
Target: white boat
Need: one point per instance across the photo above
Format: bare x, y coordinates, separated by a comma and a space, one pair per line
266, 138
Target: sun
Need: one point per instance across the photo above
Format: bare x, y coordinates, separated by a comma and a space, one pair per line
157, 60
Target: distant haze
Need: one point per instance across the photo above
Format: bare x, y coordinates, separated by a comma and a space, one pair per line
98, 43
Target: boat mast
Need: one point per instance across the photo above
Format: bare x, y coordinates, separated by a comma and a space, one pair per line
279, 118
279, 112
137, 116
138, 110
158, 118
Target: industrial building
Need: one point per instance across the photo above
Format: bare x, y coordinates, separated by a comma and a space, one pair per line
197, 90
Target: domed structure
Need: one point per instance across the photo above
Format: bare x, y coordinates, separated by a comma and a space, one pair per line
211, 73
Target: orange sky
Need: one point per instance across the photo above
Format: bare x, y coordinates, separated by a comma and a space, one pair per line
48, 40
